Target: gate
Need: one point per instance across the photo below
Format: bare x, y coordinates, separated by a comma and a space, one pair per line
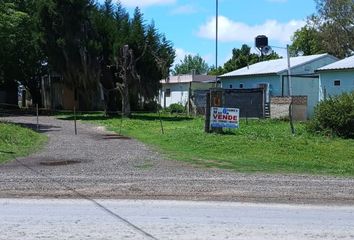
251, 102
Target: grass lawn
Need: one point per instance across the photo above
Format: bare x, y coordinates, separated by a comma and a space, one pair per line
18, 141
258, 146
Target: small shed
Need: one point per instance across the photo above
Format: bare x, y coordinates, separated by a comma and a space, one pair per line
178, 89
337, 77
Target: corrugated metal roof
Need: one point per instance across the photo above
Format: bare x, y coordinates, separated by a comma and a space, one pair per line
273, 66
189, 78
347, 63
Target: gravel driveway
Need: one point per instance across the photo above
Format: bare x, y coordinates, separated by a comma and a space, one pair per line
100, 164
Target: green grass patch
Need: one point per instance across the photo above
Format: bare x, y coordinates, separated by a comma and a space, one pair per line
258, 146
16, 141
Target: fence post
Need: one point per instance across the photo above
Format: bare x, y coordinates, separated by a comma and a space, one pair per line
162, 130
207, 114
75, 120
37, 116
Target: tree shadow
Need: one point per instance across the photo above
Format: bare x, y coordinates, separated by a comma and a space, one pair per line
7, 152
147, 117
144, 117
86, 117
42, 128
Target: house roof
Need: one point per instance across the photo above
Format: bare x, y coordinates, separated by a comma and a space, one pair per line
347, 63
189, 78
273, 66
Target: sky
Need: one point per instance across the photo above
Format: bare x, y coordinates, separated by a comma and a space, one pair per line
190, 24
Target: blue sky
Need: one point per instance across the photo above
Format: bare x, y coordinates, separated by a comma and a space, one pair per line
190, 24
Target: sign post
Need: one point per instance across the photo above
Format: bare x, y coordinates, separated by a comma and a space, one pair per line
221, 117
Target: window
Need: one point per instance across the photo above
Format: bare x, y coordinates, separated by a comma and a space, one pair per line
168, 92
336, 82
241, 85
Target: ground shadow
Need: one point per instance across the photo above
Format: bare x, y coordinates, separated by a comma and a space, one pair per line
41, 127
145, 117
7, 152
163, 118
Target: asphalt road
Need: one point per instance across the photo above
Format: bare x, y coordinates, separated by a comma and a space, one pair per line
145, 219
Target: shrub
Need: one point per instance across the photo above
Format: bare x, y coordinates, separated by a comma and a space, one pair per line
176, 108
152, 106
334, 116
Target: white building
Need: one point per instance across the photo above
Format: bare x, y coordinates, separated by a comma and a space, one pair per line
177, 89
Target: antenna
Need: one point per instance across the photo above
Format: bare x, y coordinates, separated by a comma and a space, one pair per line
266, 50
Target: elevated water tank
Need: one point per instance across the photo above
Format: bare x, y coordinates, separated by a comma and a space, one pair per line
261, 41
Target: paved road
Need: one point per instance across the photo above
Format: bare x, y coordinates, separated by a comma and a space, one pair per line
107, 166
128, 219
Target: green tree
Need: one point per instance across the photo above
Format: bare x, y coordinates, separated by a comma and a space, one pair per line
330, 29
306, 40
241, 58
335, 19
71, 44
191, 63
21, 58
216, 71
136, 57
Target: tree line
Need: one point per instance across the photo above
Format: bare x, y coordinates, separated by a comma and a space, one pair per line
89, 44
92, 44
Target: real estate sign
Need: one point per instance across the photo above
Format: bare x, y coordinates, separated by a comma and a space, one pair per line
224, 117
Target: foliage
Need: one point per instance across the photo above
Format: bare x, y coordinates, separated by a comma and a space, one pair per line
335, 116
241, 58
151, 106
82, 40
21, 58
216, 71
176, 108
307, 41
135, 57
258, 146
191, 63
17, 141
335, 20
329, 30
70, 42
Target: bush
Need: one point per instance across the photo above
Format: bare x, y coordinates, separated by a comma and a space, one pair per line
334, 116
176, 108
152, 106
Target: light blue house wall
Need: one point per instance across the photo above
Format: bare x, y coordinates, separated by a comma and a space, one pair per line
307, 87
311, 67
279, 85
273, 80
328, 78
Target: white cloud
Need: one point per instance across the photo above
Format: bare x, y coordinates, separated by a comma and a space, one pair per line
184, 9
180, 54
145, 3
230, 31
208, 57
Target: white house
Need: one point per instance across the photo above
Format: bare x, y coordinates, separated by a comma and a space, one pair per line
272, 76
177, 89
337, 77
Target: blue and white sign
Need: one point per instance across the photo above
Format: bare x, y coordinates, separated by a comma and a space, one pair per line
224, 117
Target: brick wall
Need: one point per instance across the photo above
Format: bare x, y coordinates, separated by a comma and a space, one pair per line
279, 107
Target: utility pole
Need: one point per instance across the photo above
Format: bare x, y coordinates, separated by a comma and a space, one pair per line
289, 70
216, 34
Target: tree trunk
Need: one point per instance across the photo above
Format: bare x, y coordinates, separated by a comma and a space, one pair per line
125, 101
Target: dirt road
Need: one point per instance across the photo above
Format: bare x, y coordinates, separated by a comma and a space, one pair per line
99, 164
